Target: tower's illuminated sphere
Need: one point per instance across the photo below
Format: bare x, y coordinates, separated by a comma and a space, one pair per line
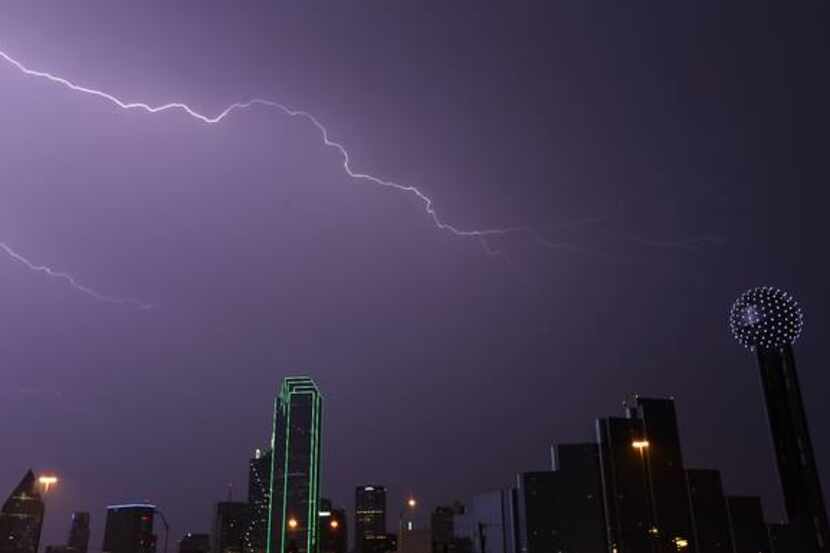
766, 318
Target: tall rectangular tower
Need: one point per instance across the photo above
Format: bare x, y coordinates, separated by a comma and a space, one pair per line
370, 519
669, 495
295, 468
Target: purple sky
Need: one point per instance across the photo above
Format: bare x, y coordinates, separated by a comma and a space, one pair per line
677, 153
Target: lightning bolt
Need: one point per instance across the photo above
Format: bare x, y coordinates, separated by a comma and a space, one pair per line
481, 235
69, 279
427, 202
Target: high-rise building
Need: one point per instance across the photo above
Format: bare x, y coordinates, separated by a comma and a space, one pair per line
768, 321
231, 520
629, 517
21, 519
334, 535
749, 532
79, 533
295, 491
194, 543
259, 492
644, 482
666, 476
710, 517
129, 529
577, 505
370, 519
442, 527
536, 491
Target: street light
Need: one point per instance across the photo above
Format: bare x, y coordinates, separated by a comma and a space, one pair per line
334, 524
411, 503
47, 481
292, 523
640, 445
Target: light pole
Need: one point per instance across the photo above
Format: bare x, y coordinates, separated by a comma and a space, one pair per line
642, 446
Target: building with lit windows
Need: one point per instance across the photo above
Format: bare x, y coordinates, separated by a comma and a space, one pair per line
129, 529
259, 491
21, 519
230, 522
295, 489
370, 519
334, 534
644, 481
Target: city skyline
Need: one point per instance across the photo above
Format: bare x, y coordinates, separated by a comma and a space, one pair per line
669, 158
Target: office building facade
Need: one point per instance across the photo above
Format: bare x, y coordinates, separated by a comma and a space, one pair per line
370, 519
129, 529
295, 491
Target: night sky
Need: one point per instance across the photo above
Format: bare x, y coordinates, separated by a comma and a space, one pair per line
672, 154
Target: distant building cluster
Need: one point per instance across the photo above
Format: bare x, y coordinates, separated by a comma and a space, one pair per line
626, 491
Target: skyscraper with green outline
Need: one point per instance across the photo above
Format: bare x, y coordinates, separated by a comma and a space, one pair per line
295, 468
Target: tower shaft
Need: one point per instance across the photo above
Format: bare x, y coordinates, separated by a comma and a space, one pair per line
793, 448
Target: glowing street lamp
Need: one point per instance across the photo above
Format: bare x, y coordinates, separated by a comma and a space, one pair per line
640, 445
292, 523
411, 503
334, 524
46, 481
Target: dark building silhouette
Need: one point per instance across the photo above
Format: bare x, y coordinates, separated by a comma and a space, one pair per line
783, 538
195, 543
628, 513
577, 505
21, 519
295, 489
231, 520
749, 532
79, 533
259, 492
334, 534
441, 525
442, 528
129, 529
536, 524
710, 516
370, 519
666, 476
562, 509
768, 321
58, 549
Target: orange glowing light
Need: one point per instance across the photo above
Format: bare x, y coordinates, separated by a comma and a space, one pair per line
47, 481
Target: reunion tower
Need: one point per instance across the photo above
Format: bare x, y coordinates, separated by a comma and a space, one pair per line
768, 321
